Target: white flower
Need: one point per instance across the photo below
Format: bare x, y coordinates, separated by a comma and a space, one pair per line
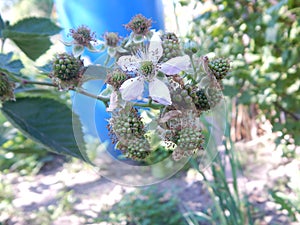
146, 65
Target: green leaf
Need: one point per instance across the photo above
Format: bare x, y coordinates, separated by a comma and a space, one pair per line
95, 72
2, 25
33, 47
31, 35
34, 26
8, 66
46, 121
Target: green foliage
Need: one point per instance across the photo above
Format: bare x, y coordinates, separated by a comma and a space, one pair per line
229, 205
9, 66
48, 122
144, 207
262, 40
31, 35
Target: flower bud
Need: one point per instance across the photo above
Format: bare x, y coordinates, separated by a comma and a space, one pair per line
83, 35
139, 25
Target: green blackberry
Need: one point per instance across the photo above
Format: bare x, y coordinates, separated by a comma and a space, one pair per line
126, 125
6, 88
202, 102
219, 67
190, 139
135, 148
116, 78
183, 98
170, 46
67, 68
214, 96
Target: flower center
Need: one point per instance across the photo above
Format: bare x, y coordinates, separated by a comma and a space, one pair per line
147, 68
111, 39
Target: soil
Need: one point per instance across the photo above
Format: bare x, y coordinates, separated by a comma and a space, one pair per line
87, 193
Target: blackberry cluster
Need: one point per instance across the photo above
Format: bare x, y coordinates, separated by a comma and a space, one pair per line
128, 132
183, 97
136, 148
67, 68
190, 139
219, 67
207, 98
6, 88
171, 46
127, 125
202, 102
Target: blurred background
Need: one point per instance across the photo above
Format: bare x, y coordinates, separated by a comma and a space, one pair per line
255, 179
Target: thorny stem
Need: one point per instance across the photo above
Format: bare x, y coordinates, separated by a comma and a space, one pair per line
2, 44
194, 67
83, 92
107, 60
24, 82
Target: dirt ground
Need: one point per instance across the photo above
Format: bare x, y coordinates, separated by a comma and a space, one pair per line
86, 193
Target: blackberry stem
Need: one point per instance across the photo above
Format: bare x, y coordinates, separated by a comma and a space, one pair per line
150, 104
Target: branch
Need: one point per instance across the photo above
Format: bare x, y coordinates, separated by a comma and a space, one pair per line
83, 92
293, 115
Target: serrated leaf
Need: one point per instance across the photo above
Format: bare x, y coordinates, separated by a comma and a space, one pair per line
33, 47
31, 35
34, 26
8, 66
95, 72
45, 69
46, 121
1, 24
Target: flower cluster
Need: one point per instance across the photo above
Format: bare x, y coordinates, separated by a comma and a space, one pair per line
157, 88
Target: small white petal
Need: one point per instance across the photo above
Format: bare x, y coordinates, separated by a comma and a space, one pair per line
113, 102
132, 88
159, 92
175, 65
128, 62
77, 50
67, 43
155, 49
121, 50
111, 51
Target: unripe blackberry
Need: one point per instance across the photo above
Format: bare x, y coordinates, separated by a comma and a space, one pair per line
214, 95
182, 98
116, 78
202, 102
219, 67
190, 139
170, 46
136, 148
6, 88
67, 68
127, 125
207, 98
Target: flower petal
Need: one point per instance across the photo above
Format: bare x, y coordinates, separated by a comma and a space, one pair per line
77, 50
159, 92
111, 51
113, 102
175, 65
128, 63
132, 88
155, 49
